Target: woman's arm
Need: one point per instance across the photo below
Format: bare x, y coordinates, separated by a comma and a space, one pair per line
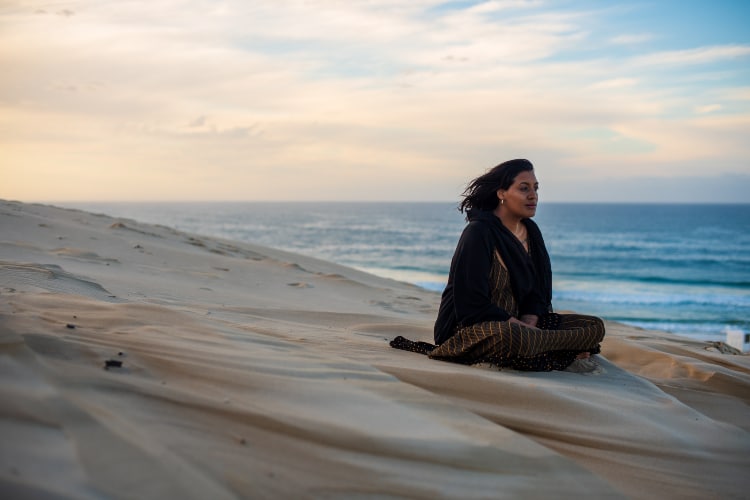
471, 278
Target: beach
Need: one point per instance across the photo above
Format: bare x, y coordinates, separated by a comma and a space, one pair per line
139, 361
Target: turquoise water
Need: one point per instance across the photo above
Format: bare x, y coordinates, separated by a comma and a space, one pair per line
678, 268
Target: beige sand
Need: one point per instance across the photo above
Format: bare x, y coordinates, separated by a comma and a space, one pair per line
251, 372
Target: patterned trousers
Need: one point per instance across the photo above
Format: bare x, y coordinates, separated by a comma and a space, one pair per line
557, 342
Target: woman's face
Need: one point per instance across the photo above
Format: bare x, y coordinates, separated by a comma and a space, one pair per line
520, 199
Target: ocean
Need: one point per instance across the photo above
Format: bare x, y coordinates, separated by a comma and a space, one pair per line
683, 269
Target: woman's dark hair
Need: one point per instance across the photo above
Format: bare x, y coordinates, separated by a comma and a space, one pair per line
481, 193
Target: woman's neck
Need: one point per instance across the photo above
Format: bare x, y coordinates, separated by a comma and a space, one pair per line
510, 221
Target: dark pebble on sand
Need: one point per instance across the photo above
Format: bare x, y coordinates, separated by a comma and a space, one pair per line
112, 363
70, 325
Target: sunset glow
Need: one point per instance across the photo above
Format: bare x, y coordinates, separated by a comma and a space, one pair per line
372, 100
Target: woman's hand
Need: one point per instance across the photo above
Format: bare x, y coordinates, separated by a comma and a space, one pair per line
527, 320
530, 319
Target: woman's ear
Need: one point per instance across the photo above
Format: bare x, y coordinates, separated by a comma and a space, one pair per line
501, 195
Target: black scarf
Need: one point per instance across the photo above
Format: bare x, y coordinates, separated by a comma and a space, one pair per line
530, 273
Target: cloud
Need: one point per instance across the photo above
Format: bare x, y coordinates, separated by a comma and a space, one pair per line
198, 122
614, 83
695, 56
631, 39
708, 108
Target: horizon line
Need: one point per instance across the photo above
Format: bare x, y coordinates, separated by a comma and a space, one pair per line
565, 202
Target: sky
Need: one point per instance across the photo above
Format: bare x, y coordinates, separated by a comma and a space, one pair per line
373, 100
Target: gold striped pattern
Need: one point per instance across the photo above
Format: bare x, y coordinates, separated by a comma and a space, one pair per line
500, 285
498, 340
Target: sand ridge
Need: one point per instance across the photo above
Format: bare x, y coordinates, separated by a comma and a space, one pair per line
255, 373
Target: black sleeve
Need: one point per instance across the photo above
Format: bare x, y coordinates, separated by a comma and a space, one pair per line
534, 304
472, 264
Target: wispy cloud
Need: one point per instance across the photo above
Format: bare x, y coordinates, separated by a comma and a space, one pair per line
631, 39
708, 108
614, 83
700, 55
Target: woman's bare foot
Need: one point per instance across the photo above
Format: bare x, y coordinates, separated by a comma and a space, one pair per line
584, 355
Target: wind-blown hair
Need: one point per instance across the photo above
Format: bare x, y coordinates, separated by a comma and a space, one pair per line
481, 193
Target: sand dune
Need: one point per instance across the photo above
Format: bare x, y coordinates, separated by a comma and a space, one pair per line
137, 361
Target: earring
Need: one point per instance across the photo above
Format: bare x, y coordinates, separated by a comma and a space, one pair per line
502, 201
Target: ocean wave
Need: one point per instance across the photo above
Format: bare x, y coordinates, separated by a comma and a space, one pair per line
634, 260
702, 282
651, 299
626, 276
694, 330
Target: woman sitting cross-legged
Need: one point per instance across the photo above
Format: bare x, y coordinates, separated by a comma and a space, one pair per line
497, 305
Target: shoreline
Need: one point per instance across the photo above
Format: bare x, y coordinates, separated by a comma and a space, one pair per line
249, 371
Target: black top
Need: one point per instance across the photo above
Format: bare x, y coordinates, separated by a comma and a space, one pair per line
467, 298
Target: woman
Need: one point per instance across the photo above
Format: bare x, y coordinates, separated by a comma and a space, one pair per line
497, 305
